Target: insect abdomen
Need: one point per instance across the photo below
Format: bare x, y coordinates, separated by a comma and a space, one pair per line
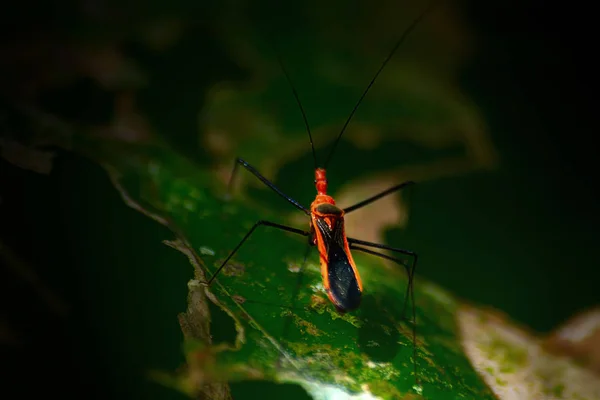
344, 291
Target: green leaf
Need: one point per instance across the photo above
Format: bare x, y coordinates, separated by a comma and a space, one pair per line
462, 351
368, 351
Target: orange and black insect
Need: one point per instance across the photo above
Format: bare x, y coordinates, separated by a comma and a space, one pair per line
341, 278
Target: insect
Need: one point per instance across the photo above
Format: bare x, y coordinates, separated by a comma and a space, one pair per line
341, 278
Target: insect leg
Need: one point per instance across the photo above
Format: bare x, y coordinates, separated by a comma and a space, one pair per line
239, 161
256, 225
410, 271
391, 190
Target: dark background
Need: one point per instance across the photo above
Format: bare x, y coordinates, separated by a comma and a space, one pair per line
526, 246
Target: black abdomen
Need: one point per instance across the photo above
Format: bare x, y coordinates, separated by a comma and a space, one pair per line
343, 284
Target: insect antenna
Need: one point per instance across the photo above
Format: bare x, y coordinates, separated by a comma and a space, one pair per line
401, 40
297, 97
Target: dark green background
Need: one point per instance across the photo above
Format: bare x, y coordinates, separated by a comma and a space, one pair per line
521, 238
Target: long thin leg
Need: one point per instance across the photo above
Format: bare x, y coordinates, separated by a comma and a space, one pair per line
378, 196
412, 254
256, 225
409, 253
264, 180
410, 272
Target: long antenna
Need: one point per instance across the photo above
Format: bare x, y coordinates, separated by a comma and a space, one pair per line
287, 76
405, 34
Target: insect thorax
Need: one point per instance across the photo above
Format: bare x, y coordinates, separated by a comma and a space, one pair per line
328, 210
